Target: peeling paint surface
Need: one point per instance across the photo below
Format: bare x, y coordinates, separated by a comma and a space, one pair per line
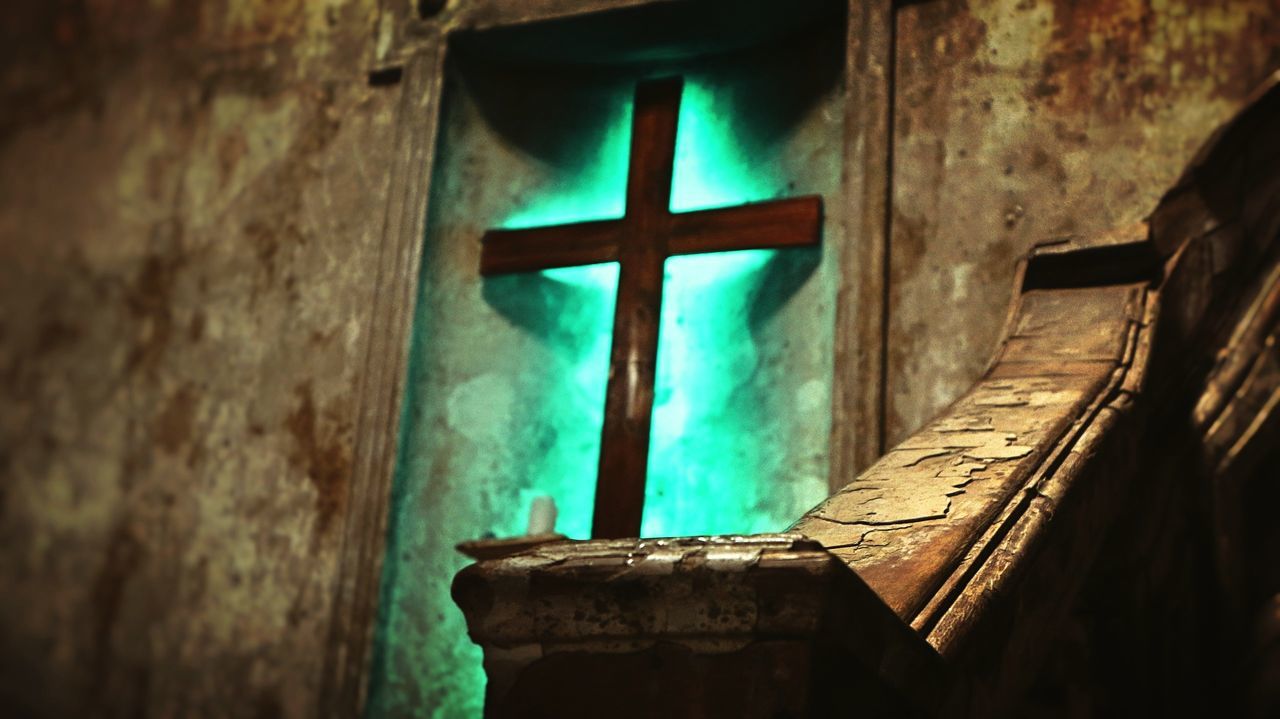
905, 521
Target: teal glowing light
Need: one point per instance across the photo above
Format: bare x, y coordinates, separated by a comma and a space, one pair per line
595, 189
567, 470
699, 479
712, 169
507, 378
705, 351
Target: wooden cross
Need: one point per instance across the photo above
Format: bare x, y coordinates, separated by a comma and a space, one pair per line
640, 243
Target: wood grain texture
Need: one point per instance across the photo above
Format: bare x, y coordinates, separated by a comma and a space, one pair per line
857, 396
195, 219
1228, 203
487, 340
1099, 481
906, 521
345, 681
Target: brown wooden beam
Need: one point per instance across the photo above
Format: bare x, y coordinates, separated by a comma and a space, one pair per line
795, 222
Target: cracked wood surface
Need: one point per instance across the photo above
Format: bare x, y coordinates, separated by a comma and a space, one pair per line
1215, 228
1057, 412
906, 521
634, 620
1017, 122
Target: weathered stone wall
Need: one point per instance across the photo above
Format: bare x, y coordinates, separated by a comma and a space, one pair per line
1018, 121
190, 202
191, 197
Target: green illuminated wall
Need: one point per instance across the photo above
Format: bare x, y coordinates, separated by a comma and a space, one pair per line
506, 385
709, 473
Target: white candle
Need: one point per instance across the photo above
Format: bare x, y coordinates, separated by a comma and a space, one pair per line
542, 515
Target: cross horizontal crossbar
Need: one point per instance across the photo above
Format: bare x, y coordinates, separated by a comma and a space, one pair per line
793, 222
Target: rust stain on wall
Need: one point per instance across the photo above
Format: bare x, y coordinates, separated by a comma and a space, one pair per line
322, 455
1019, 121
1120, 57
55, 335
152, 541
124, 554
230, 151
173, 424
148, 300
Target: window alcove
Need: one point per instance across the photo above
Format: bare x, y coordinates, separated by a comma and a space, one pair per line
505, 390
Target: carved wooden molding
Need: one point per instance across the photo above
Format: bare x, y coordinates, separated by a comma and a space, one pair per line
662, 606
1238, 416
355, 596
408, 27
1229, 200
858, 383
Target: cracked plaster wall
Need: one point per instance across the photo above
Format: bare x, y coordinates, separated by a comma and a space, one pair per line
190, 196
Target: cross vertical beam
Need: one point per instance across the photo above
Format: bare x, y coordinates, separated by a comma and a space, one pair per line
628, 407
